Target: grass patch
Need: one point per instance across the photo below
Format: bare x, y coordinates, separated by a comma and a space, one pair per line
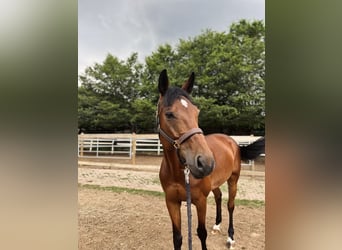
238, 202
249, 203
124, 190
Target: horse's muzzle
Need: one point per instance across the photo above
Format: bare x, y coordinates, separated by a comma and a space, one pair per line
203, 166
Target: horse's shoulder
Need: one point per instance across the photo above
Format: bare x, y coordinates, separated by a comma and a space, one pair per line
221, 143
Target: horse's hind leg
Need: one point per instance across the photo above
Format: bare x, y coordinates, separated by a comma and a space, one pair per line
232, 189
218, 200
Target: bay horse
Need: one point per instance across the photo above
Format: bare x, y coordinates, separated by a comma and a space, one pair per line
212, 160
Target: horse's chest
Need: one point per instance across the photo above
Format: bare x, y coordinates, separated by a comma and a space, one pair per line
176, 191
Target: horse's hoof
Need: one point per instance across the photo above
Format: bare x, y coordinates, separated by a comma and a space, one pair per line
216, 229
230, 243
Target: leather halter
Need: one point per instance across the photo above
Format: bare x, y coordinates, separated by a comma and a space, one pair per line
176, 143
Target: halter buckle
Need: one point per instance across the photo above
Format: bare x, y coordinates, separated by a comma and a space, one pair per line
176, 145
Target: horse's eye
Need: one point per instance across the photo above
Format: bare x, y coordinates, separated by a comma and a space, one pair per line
169, 115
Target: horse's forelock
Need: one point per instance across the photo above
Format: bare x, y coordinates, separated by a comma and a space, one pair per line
173, 94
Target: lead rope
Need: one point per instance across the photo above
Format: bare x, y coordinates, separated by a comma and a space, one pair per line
188, 204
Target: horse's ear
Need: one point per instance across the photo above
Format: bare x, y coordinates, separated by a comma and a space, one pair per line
188, 85
163, 83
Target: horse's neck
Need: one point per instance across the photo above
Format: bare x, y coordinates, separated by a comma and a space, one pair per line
173, 164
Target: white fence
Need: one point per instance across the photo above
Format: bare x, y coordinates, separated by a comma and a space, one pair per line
103, 147
118, 146
126, 146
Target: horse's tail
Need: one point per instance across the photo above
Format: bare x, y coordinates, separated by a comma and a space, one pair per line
253, 150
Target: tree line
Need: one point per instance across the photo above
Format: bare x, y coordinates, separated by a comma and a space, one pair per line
121, 95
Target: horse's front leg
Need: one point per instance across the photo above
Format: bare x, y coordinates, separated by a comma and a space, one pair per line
201, 206
175, 215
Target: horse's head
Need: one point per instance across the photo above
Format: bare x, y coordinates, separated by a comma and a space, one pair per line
178, 121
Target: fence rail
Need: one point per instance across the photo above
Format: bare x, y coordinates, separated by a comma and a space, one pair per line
126, 146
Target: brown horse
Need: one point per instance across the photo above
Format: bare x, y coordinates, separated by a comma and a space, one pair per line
212, 160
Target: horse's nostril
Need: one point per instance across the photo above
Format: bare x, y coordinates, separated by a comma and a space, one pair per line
205, 165
200, 162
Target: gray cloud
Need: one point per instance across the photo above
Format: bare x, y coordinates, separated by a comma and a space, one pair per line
122, 27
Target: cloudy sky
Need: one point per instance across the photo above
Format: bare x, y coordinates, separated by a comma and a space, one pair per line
121, 27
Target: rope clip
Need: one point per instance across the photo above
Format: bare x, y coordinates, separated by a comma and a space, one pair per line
187, 174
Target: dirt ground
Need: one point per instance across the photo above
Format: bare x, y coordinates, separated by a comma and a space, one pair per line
111, 220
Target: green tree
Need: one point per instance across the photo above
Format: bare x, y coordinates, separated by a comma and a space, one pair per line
230, 74
107, 92
143, 117
229, 87
86, 111
114, 79
163, 58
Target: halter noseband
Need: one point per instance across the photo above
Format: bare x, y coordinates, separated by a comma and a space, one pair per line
176, 143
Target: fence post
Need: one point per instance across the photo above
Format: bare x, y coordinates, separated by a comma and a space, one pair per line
134, 148
97, 148
158, 150
82, 144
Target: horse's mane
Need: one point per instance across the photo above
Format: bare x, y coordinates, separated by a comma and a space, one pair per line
173, 94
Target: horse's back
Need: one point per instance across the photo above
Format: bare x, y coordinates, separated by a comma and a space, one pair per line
227, 158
